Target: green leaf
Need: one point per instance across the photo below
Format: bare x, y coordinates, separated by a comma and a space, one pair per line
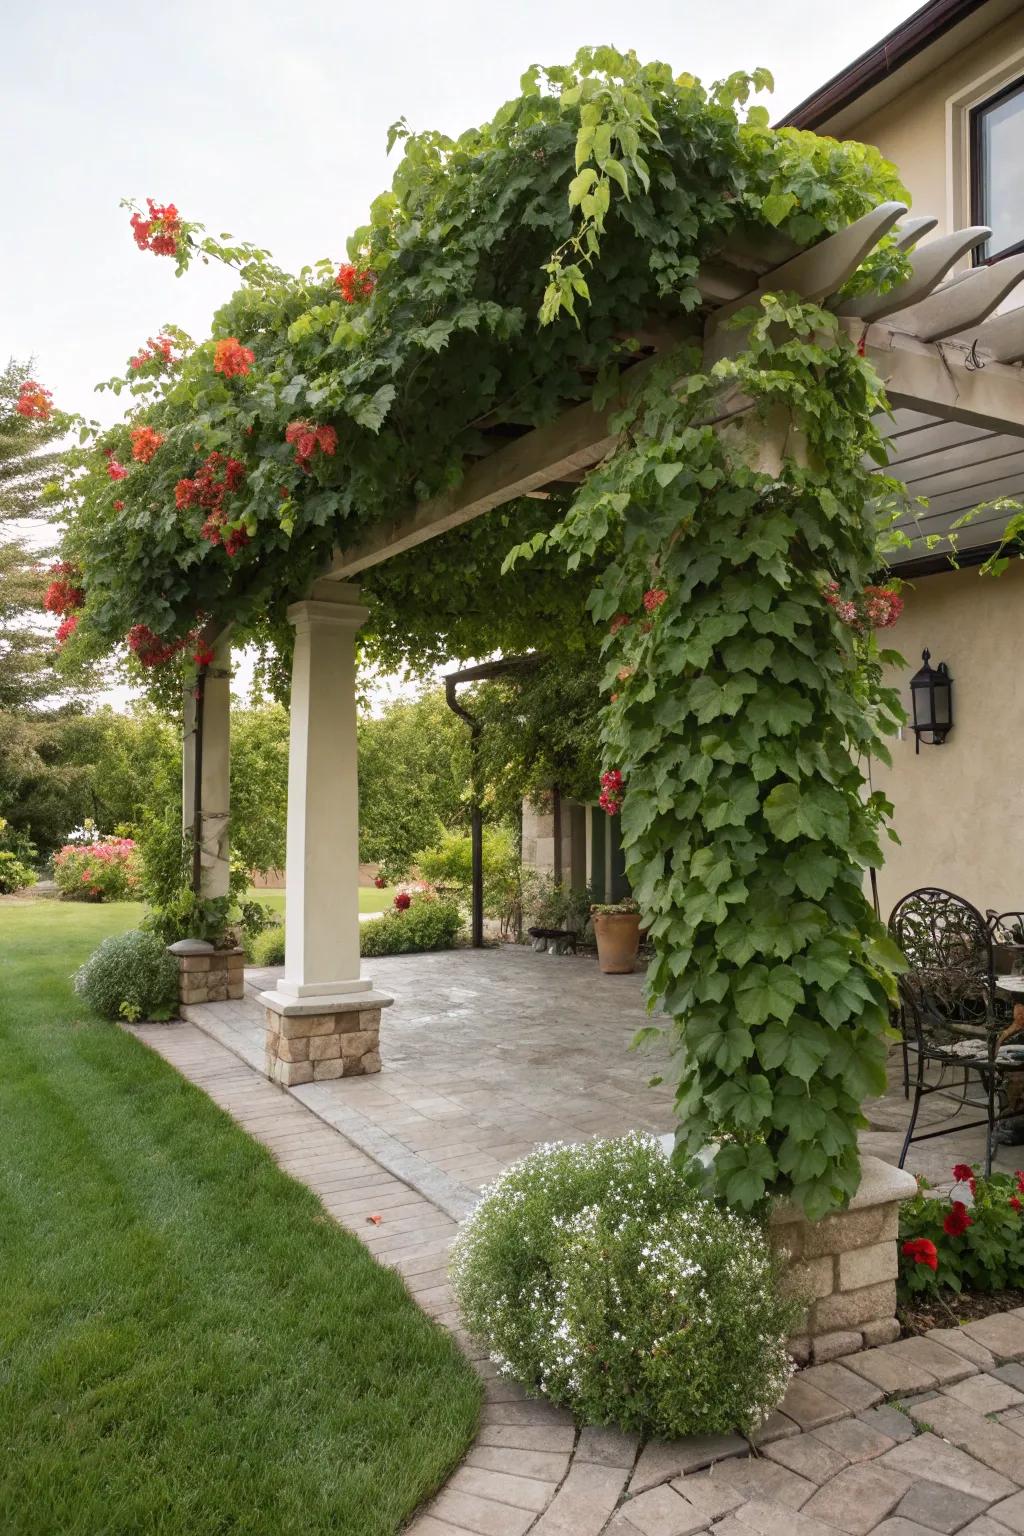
762, 994
778, 206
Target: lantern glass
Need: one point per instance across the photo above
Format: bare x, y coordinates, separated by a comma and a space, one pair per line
931, 694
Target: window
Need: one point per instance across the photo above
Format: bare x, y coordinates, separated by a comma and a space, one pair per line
997, 171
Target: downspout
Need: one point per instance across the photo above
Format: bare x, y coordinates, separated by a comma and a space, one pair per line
197, 793
476, 823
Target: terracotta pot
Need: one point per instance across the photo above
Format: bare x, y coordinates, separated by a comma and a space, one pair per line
618, 939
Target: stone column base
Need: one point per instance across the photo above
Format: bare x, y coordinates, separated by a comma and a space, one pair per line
208, 975
845, 1266
317, 1039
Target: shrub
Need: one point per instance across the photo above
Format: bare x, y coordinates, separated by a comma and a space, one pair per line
972, 1239
106, 870
598, 1277
14, 875
130, 976
268, 947
426, 924
449, 864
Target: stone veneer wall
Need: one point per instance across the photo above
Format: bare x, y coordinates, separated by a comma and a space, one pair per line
313, 1047
845, 1266
209, 975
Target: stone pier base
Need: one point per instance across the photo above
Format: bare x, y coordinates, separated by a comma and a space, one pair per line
314, 1040
845, 1266
208, 975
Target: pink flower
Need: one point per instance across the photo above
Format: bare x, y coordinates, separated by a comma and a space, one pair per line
654, 599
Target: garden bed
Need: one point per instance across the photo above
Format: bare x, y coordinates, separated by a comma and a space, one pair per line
918, 1314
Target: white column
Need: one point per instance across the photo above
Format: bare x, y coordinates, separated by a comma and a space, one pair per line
215, 775
322, 878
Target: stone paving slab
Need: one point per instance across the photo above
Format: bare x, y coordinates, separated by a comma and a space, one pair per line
920, 1436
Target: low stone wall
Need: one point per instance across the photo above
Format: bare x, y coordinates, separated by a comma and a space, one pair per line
310, 1047
846, 1266
208, 975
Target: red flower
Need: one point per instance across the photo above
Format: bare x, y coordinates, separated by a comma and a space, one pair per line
115, 470
654, 599
237, 539
155, 351
620, 621
118, 506
145, 442
34, 402
1015, 1204
957, 1220
403, 901
67, 628
149, 648
203, 656
160, 232
231, 358
379, 882
306, 439
354, 282
963, 1173
610, 798
184, 494
922, 1250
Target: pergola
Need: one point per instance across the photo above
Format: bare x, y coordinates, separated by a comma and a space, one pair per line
949, 366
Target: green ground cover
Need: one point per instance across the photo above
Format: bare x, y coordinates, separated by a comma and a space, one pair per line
370, 899
187, 1342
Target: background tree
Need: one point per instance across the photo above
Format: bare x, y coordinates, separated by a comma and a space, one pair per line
413, 778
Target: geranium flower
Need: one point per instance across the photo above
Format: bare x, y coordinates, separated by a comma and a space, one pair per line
957, 1220
307, 439
620, 621
922, 1250
145, 442
1014, 1203
654, 599
67, 628
963, 1173
610, 798
64, 594
230, 358
403, 901
34, 402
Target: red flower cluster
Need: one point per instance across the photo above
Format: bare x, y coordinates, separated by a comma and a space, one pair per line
957, 1220
874, 608
379, 882
67, 628
307, 439
203, 656
115, 470
922, 1250
160, 232
654, 599
145, 442
34, 402
231, 358
64, 595
403, 901
149, 648
620, 621
610, 798
354, 282
214, 480
156, 350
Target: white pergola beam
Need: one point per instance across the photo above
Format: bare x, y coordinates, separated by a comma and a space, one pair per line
936, 380
912, 231
962, 303
929, 266
1001, 337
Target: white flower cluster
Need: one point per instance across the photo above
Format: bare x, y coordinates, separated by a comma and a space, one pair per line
598, 1278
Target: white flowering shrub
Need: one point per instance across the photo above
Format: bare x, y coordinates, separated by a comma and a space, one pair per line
599, 1277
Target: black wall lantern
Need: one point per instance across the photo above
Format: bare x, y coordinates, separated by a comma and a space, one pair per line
931, 695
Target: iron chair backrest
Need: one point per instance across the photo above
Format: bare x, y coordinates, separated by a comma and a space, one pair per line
950, 983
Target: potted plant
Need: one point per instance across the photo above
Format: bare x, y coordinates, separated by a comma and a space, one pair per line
617, 931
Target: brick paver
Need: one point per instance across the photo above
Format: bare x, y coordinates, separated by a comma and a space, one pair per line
907, 1439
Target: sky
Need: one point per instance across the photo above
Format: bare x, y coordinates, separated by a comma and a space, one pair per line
270, 121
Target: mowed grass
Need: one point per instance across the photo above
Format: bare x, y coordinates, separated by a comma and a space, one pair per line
188, 1344
370, 899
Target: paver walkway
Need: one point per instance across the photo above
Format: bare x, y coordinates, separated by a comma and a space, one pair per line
921, 1436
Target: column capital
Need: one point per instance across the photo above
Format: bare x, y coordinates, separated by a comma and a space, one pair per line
332, 603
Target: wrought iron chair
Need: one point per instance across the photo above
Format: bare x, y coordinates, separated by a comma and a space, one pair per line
950, 1015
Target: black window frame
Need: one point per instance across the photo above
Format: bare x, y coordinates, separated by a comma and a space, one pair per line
1013, 88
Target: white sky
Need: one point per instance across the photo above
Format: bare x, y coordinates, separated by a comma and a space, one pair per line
268, 120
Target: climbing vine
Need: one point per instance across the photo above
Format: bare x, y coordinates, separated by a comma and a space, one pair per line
742, 702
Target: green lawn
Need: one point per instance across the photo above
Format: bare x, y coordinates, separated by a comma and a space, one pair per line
370, 899
187, 1343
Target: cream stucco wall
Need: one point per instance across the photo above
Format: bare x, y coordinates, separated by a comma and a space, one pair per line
924, 129
959, 808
